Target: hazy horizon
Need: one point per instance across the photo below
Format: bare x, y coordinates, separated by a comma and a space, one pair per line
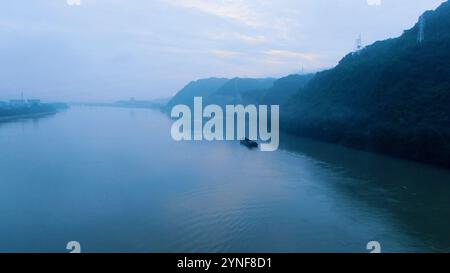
98, 50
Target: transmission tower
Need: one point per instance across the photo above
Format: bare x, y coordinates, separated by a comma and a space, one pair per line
358, 44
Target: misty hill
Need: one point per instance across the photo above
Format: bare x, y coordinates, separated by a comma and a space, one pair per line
391, 97
222, 91
285, 88
199, 88
240, 91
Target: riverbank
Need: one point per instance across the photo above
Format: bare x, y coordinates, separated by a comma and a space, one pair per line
157, 104
27, 116
13, 113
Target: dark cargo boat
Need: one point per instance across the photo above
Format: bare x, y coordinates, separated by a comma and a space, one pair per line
249, 143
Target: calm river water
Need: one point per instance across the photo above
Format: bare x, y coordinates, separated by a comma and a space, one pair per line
114, 180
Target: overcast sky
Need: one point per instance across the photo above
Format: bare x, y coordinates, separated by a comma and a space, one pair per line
105, 50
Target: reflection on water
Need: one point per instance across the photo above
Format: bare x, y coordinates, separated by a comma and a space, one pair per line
417, 195
114, 180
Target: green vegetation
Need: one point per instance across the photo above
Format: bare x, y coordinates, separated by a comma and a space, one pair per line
284, 88
392, 97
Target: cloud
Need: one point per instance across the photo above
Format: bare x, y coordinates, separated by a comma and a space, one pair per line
285, 54
73, 2
285, 59
154, 47
235, 36
374, 2
224, 53
238, 11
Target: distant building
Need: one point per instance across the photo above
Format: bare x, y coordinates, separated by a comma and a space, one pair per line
16, 103
34, 102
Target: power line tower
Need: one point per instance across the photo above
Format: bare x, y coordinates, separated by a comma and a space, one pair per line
358, 44
421, 32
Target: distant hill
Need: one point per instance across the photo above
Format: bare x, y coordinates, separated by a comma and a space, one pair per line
222, 91
240, 91
200, 88
391, 97
285, 88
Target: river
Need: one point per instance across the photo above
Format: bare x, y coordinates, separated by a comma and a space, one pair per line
115, 181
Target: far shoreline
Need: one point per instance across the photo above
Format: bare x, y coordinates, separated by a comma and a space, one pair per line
26, 116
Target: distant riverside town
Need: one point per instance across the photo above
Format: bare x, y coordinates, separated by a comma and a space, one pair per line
28, 107
20, 103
